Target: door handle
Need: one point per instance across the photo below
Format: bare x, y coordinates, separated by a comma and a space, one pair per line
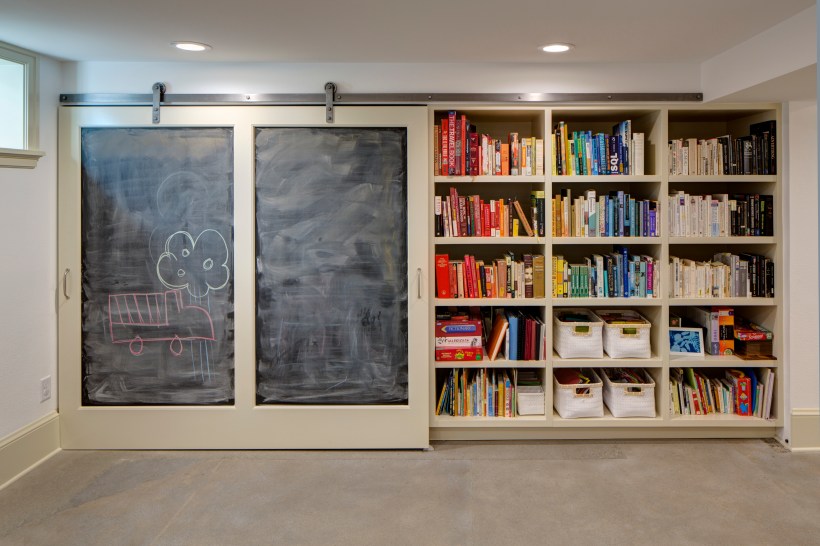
66, 292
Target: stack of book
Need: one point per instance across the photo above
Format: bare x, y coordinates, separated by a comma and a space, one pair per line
613, 275
459, 339
584, 153
752, 340
478, 392
726, 155
460, 150
614, 214
505, 277
720, 215
471, 216
726, 276
747, 392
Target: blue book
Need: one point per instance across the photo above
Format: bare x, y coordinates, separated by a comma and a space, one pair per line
512, 319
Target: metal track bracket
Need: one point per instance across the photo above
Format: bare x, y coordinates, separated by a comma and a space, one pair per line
330, 91
159, 92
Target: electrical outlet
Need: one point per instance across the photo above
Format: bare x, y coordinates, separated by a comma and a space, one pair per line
45, 388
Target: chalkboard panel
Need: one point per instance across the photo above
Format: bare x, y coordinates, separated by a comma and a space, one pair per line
157, 266
331, 267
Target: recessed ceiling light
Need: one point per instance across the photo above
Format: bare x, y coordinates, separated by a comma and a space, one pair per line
557, 48
191, 46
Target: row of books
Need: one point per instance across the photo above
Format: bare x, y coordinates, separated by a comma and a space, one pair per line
505, 277
471, 216
720, 215
614, 275
725, 155
478, 392
726, 276
460, 150
747, 392
584, 153
525, 336
614, 214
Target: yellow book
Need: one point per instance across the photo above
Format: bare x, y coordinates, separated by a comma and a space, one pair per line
515, 227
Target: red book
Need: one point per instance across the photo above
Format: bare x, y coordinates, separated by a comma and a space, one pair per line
478, 225
451, 143
486, 220
445, 148
465, 141
443, 276
468, 276
474, 156
453, 280
462, 216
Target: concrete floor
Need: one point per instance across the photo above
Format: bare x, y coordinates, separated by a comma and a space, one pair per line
524, 493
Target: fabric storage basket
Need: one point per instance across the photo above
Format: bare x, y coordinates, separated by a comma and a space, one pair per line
626, 334
530, 400
577, 334
578, 400
629, 399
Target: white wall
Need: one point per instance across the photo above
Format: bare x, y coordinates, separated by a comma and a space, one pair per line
782, 49
28, 244
203, 77
802, 240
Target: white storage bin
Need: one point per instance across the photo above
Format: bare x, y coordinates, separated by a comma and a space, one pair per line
530, 400
584, 400
629, 399
626, 334
574, 338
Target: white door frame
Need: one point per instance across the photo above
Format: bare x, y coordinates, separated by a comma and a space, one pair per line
243, 425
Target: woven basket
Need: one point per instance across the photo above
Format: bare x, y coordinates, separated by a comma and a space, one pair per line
572, 401
578, 339
626, 340
630, 399
530, 400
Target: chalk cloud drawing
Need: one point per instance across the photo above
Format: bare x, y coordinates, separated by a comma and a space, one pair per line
197, 265
137, 319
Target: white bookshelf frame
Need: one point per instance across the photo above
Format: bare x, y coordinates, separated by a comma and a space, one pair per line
669, 119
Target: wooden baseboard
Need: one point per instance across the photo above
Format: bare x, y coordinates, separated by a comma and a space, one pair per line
805, 430
25, 449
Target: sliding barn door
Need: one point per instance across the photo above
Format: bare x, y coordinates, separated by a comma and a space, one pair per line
243, 277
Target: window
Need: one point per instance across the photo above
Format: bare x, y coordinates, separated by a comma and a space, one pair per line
18, 99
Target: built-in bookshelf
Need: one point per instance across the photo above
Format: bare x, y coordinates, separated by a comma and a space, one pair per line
726, 214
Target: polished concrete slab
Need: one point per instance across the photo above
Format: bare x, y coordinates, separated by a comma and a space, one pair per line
493, 493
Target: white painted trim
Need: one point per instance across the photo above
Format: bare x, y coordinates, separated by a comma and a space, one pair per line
10, 157
805, 430
23, 450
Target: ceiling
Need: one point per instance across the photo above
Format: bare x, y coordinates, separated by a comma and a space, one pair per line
461, 31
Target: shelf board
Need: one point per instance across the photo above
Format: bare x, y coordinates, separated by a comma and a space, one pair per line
583, 302
745, 178
441, 421
606, 241
498, 363
606, 362
487, 302
721, 240
490, 240
720, 420
722, 301
718, 361
590, 179
486, 179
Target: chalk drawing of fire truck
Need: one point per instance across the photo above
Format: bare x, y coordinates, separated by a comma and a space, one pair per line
137, 319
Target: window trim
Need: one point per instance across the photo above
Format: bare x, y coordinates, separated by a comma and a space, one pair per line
27, 157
